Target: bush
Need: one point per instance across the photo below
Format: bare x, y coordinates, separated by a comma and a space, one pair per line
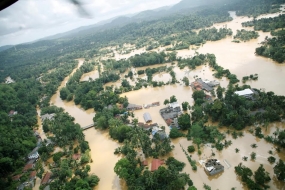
191, 148
271, 159
175, 133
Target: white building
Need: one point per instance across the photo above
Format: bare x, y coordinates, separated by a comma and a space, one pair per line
246, 92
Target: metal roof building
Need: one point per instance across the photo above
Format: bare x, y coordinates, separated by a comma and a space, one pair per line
147, 117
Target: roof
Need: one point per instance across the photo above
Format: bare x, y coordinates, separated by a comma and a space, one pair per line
244, 92
33, 174
174, 105
76, 156
47, 116
17, 177
46, 178
147, 117
27, 167
155, 164
145, 163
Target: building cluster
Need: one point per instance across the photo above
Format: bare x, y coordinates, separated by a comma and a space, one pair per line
206, 85
171, 113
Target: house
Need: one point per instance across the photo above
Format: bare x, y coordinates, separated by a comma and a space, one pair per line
156, 130
9, 80
147, 117
213, 166
48, 116
12, 113
155, 104
174, 123
199, 84
147, 126
155, 164
17, 177
247, 93
134, 107
28, 167
33, 175
145, 163
76, 156
34, 155
46, 178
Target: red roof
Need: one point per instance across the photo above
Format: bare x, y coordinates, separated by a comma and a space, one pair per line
33, 174
168, 121
46, 178
17, 177
145, 163
76, 156
155, 164
27, 167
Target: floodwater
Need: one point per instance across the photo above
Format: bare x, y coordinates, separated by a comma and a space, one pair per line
91, 75
240, 59
102, 147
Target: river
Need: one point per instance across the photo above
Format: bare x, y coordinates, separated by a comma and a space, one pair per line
240, 59
102, 147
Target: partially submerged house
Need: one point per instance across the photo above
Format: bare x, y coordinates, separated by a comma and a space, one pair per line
247, 93
48, 116
147, 126
175, 106
147, 117
134, 107
155, 164
156, 130
206, 85
46, 178
174, 124
213, 166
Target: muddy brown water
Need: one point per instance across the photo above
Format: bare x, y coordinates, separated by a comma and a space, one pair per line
240, 60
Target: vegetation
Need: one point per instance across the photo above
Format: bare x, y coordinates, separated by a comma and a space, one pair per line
245, 35
175, 133
271, 47
260, 176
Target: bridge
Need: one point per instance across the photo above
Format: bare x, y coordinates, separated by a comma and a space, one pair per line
88, 126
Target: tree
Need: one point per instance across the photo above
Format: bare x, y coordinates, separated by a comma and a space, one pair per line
64, 92
56, 157
173, 99
184, 121
271, 159
175, 133
253, 156
166, 101
279, 170
261, 176
191, 149
185, 106
186, 81
102, 122
220, 92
